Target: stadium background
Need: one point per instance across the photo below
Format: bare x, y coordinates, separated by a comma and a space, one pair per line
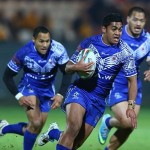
69, 22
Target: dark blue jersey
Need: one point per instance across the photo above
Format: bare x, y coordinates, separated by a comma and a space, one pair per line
39, 70
109, 61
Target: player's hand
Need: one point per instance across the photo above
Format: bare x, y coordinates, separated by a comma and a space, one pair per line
84, 67
57, 101
147, 75
25, 101
130, 113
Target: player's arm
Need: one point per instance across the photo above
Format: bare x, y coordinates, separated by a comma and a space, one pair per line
132, 82
9, 81
71, 67
66, 80
131, 74
147, 72
79, 66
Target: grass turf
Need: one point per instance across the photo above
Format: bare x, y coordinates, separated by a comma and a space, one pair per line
137, 141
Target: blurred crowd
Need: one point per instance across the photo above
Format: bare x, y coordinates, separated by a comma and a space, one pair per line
67, 19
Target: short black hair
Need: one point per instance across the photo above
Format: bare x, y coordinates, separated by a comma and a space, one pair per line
39, 29
137, 9
112, 17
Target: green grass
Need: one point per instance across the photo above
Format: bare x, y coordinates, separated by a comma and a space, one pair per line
140, 139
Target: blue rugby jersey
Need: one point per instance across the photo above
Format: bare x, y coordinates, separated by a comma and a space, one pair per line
140, 48
109, 61
39, 71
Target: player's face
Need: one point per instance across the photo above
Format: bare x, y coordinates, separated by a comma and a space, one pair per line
136, 23
42, 42
112, 33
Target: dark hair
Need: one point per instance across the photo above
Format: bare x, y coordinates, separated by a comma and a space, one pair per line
39, 29
137, 9
113, 17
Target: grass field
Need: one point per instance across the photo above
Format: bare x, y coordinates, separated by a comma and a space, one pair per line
139, 140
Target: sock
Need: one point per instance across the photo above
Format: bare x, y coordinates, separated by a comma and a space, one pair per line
107, 123
60, 147
29, 140
14, 128
106, 148
54, 134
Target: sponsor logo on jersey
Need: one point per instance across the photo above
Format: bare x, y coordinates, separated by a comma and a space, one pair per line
76, 95
117, 95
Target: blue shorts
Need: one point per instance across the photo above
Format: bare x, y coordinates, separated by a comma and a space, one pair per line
92, 114
43, 95
118, 95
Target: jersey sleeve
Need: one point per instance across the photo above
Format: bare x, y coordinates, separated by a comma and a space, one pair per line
16, 62
74, 57
60, 52
129, 66
63, 57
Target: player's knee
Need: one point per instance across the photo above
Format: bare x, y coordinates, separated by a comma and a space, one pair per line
36, 126
126, 123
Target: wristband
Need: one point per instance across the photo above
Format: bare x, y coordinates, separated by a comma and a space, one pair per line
18, 96
131, 104
60, 95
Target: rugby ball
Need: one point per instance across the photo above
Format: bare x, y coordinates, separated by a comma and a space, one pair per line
89, 57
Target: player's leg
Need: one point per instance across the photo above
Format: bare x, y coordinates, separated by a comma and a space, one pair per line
54, 133
84, 133
90, 121
36, 122
6, 128
122, 123
91, 118
17, 128
117, 96
74, 115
